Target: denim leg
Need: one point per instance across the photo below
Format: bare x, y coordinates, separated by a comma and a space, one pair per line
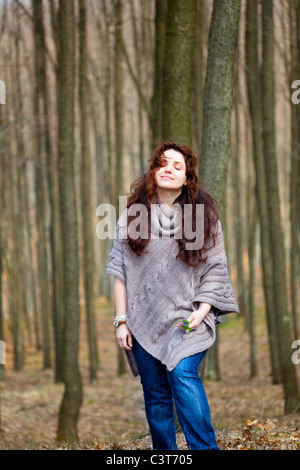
158, 399
191, 403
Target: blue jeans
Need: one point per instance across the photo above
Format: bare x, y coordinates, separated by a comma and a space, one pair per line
184, 385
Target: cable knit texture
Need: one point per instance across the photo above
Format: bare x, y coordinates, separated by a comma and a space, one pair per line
162, 289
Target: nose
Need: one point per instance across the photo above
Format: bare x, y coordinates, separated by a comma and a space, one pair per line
168, 168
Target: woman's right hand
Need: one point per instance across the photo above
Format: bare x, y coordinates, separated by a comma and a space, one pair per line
124, 337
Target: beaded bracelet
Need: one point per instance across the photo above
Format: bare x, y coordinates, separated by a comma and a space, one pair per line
119, 320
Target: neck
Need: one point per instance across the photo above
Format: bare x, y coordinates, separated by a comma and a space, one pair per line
167, 197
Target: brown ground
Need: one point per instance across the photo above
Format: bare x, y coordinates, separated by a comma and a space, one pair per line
247, 413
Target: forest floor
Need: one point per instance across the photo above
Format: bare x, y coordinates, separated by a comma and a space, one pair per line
247, 413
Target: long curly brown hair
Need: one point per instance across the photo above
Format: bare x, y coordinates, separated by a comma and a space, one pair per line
144, 191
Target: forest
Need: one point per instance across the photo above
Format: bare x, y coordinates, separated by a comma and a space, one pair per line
88, 89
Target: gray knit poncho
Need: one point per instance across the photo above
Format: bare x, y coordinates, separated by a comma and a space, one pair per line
162, 289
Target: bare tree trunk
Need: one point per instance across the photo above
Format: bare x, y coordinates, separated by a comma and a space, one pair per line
52, 185
199, 72
295, 165
138, 64
72, 399
237, 185
217, 111
40, 192
102, 184
119, 114
17, 189
255, 103
291, 393
31, 274
178, 68
86, 198
3, 213
156, 100
119, 105
253, 218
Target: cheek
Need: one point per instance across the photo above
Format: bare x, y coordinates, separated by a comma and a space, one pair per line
159, 172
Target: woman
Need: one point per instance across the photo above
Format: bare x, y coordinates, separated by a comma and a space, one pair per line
160, 283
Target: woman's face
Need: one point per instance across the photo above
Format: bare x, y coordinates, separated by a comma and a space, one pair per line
172, 176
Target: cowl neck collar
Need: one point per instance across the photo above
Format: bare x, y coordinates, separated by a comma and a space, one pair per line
165, 220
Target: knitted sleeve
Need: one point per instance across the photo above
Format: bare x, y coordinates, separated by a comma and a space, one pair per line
215, 287
116, 265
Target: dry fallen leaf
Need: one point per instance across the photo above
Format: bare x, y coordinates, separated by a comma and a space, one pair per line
250, 423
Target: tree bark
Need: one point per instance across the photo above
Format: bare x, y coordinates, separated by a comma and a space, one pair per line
138, 64
217, 111
86, 197
159, 55
295, 165
17, 190
119, 114
178, 69
52, 186
255, 103
40, 191
291, 393
199, 72
237, 185
72, 399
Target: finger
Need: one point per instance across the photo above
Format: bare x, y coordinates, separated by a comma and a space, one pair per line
193, 324
121, 342
129, 341
124, 344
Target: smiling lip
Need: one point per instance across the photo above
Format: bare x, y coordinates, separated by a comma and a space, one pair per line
167, 177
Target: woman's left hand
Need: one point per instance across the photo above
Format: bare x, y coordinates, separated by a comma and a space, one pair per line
197, 316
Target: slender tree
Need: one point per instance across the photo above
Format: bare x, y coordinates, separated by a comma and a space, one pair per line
40, 187
72, 399
2, 210
295, 165
199, 71
291, 393
159, 55
237, 185
255, 109
19, 312
178, 68
86, 197
217, 111
138, 64
51, 183
119, 120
